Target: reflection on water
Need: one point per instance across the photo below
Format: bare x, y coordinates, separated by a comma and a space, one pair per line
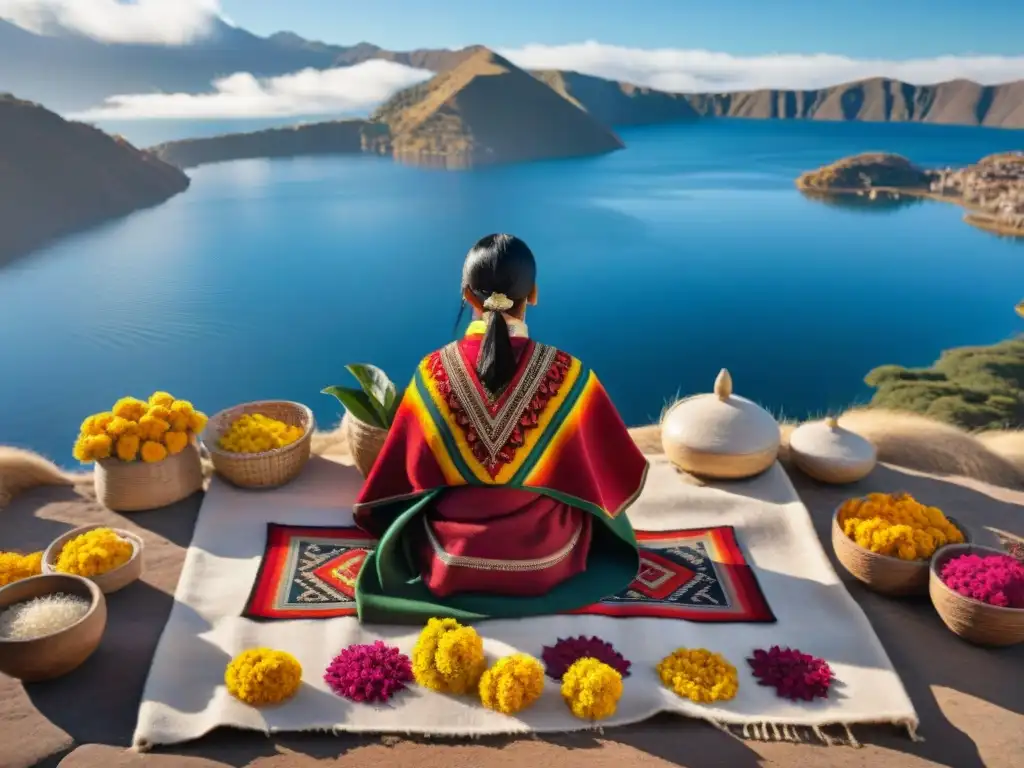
882, 203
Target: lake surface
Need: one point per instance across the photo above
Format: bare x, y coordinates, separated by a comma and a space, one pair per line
658, 265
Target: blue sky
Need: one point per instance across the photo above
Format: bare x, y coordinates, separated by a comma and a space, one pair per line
893, 29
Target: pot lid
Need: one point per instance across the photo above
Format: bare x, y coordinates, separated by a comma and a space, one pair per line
827, 440
721, 423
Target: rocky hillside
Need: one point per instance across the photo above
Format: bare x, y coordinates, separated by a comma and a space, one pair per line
328, 138
485, 111
864, 171
615, 103
57, 177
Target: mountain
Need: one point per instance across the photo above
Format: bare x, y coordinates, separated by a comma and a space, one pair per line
57, 177
90, 72
486, 111
335, 137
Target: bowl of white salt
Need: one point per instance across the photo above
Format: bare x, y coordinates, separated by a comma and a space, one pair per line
49, 625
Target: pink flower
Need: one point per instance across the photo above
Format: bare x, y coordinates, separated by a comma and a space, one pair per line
994, 579
794, 675
369, 673
559, 657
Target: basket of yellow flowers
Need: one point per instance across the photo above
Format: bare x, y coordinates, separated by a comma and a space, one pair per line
264, 444
144, 451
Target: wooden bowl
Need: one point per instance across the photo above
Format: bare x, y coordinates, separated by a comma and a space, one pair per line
974, 621
108, 582
882, 573
50, 656
270, 469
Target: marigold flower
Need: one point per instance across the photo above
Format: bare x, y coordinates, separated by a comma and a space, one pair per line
15, 567
182, 413
175, 442
161, 412
256, 433
119, 426
897, 526
163, 399
100, 446
152, 428
197, 422
152, 452
127, 447
591, 689
448, 657
699, 675
82, 450
130, 408
512, 684
794, 675
263, 676
93, 553
96, 424
563, 654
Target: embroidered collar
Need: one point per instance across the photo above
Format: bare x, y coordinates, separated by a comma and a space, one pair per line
516, 328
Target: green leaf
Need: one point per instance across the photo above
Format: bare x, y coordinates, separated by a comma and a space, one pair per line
378, 386
356, 402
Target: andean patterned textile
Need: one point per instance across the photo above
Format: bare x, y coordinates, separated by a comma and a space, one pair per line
553, 435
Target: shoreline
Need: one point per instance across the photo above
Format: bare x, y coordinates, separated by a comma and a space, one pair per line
976, 217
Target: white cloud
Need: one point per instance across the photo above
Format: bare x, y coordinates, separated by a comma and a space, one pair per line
309, 92
683, 70
160, 22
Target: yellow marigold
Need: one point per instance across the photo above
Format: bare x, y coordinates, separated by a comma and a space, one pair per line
197, 422
512, 684
130, 408
448, 657
92, 447
152, 427
591, 689
93, 553
699, 675
256, 433
96, 424
161, 399
119, 426
128, 447
175, 442
897, 526
263, 676
152, 452
162, 412
15, 567
181, 415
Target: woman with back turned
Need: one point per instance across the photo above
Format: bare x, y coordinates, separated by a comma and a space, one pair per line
502, 488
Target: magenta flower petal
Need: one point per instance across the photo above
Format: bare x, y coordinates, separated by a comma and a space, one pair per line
559, 657
793, 674
993, 579
369, 673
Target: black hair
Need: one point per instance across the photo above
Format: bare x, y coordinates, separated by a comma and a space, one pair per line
498, 264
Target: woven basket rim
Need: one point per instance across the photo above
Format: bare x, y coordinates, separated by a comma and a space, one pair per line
50, 557
96, 597
889, 558
947, 553
212, 447
112, 461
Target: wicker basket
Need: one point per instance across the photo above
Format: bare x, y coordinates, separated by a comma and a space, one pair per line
974, 621
108, 582
882, 573
270, 469
364, 441
134, 486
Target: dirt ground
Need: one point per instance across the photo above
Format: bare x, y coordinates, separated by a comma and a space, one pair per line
970, 700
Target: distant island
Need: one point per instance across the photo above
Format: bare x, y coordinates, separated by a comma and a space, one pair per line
58, 177
991, 191
484, 111
976, 388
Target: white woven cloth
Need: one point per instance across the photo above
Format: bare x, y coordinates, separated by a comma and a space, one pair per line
185, 696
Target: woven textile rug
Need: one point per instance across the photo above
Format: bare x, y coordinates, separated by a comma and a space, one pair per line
230, 571
699, 575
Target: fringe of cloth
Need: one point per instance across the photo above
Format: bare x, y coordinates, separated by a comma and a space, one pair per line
831, 735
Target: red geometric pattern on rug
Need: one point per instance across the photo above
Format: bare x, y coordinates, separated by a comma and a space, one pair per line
309, 572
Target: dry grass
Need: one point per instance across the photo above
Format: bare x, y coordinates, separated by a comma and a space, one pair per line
903, 439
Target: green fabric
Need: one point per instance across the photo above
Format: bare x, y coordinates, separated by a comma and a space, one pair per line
390, 589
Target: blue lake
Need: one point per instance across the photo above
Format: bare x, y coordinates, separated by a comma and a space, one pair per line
689, 251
